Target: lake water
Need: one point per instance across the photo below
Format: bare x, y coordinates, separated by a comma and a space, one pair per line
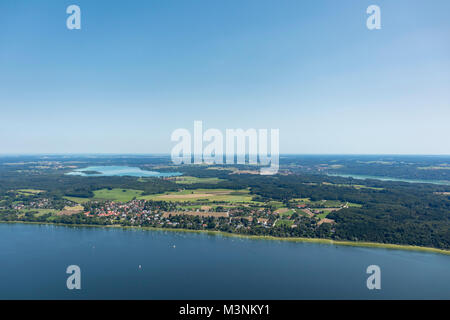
34, 259
363, 177
121, 171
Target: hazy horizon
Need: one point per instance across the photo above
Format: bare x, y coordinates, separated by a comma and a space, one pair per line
168, 154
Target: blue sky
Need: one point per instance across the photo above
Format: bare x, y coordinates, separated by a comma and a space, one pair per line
137, 70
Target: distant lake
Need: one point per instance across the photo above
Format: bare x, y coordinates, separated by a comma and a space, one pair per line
120, 171
363, 177
176, 265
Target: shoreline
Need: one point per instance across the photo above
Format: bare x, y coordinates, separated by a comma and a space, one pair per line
256, 237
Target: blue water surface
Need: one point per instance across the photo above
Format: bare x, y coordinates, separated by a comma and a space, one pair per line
121, 171
137, 264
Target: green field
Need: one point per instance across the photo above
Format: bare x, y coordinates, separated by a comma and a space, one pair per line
276, 204
285, 212
204, 195
40, 212
29, 191
323, 214
192, 180
123, 195
354, 205
78, 199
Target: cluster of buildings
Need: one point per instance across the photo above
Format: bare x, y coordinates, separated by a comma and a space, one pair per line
41, 203
172, 214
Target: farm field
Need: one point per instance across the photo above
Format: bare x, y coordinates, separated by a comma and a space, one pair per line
220, 195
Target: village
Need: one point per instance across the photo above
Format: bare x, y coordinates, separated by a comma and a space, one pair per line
241, 218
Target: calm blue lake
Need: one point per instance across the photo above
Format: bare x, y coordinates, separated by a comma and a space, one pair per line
364, 177
174, 265
121, 171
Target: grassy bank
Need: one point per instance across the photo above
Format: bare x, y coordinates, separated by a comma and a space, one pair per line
291, 239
